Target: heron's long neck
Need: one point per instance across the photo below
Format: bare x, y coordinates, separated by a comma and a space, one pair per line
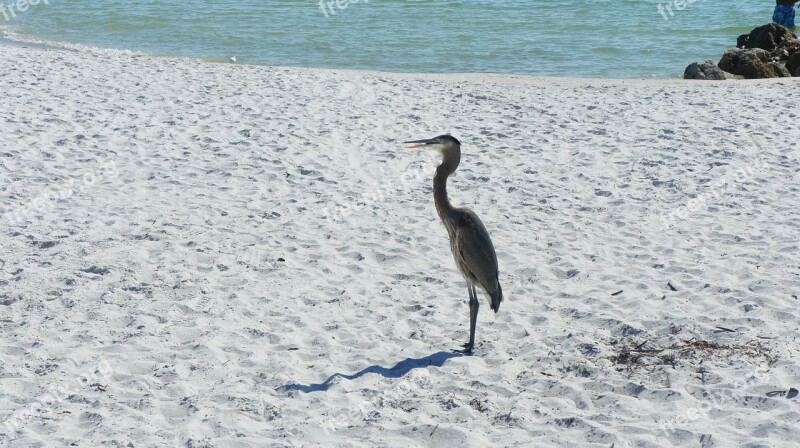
443, 207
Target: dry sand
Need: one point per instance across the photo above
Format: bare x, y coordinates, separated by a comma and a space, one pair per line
191, 252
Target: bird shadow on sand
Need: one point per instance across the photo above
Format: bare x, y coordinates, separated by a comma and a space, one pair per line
399, 370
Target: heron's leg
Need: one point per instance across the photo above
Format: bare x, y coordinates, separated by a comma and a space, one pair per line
474, 304
473, 318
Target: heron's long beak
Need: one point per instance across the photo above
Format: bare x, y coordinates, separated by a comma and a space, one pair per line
420, 143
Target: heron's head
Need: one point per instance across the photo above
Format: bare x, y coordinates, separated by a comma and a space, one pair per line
446, 145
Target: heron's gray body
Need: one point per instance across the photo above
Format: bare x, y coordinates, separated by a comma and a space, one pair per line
470, 243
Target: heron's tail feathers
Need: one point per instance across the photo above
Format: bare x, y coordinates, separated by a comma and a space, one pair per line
497, 297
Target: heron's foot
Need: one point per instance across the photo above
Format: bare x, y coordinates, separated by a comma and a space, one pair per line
467, 349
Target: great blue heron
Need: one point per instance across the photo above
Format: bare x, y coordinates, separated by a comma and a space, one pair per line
469, 241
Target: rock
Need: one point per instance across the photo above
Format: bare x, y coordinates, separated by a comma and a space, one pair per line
767, 37
780, 70
751, 63
741, 41
707, 71
793, 64
786, 49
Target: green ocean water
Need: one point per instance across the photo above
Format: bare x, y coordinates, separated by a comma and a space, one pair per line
601, 38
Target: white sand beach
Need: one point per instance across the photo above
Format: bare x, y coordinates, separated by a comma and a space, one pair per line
224, 255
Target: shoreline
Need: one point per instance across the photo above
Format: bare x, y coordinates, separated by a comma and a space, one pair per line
10, 42
503, 78
11, 38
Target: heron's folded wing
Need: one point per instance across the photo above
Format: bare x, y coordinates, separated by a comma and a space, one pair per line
476, 250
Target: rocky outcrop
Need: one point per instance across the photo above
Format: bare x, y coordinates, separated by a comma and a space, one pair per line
757, 55
751, 63
793, 64
767, 37
706, 70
